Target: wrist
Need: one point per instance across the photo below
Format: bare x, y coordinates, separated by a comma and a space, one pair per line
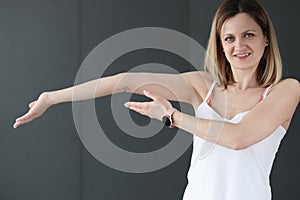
177, 115
50, 96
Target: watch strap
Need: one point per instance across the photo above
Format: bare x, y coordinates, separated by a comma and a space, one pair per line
169, 115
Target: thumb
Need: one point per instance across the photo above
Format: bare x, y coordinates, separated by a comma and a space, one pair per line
151, 95
32, 104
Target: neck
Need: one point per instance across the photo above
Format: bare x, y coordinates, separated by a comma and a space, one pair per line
244, 80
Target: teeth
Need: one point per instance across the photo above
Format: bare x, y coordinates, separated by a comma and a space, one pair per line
243, 55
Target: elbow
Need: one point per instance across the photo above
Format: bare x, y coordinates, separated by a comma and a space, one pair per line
239, 143
120, 83
238, 146
238, 136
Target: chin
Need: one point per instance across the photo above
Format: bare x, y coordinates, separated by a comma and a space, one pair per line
245, 66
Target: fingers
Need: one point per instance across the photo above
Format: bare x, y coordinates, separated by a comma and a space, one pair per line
156, 98
139, 107
153, 109
24, 119
37, 108
16, 124
131, 104
21, 122
151, 95
139, 110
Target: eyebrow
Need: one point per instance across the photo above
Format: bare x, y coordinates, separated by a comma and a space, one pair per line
246, 31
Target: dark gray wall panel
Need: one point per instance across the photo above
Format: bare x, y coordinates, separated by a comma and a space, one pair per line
39, 51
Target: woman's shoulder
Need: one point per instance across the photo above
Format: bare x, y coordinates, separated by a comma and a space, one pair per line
288, 85
199, 76
289, 82
200, 81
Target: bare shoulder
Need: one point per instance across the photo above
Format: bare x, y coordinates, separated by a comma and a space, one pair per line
200, 81
289, 86
290, 82
199, 77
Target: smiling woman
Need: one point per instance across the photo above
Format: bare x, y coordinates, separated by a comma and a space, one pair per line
239, 31
243, 42
242, 114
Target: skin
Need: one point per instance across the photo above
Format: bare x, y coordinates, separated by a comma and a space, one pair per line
240, 36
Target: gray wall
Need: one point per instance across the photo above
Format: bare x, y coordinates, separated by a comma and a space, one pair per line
42, 46
39, 51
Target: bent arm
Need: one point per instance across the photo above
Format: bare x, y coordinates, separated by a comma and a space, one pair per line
275, 110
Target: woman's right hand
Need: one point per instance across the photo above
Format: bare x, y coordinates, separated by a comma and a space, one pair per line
36, 109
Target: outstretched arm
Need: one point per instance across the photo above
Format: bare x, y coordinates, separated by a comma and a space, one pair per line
275, 110
179, 87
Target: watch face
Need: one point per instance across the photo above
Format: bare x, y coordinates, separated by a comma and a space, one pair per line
166, 120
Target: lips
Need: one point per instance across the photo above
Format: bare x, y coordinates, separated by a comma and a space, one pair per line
242, 55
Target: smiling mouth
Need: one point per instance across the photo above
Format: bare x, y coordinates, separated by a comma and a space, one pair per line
243, 55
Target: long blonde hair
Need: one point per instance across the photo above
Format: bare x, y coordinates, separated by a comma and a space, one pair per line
270, 66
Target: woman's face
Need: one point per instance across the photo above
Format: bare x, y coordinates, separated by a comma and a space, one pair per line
243, 41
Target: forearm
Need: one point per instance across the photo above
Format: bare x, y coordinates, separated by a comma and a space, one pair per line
88, 90
218, 132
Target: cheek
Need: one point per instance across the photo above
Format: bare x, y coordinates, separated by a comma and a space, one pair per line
260, 48
228, 52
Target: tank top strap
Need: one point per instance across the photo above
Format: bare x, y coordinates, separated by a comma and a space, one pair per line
265, 92
210, 91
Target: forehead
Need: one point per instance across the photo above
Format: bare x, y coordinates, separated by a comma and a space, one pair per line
239, 24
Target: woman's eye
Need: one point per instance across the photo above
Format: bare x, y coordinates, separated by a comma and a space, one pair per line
249, 35
229, 39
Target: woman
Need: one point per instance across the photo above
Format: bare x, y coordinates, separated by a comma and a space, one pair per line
247, 100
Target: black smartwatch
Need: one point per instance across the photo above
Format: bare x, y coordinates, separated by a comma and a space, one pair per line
168, 118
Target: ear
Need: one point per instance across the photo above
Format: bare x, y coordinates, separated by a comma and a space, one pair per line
267, 41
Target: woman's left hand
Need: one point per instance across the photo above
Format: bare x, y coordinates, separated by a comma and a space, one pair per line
154, 109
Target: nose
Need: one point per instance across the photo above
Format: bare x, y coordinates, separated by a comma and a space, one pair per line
239, 43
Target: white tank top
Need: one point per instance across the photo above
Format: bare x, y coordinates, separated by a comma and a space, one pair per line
220, 173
